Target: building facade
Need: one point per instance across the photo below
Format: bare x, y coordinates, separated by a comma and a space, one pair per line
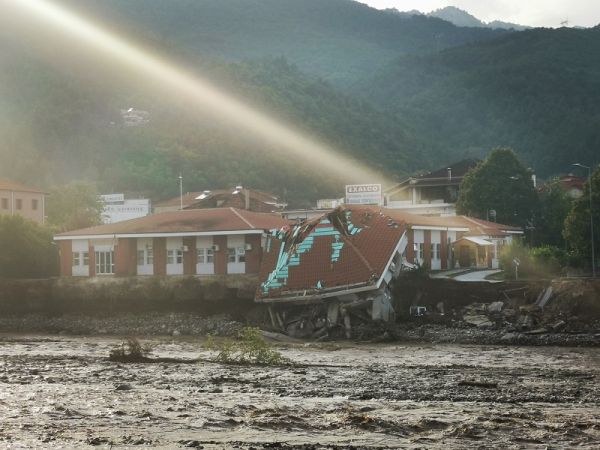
21, 200
219, 241
433, 194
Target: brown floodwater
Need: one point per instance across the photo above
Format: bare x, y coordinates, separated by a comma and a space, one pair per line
62, 392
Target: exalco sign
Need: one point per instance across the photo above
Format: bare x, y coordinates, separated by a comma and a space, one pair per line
363, 194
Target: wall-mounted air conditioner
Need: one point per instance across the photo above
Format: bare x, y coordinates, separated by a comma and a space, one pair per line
215, 248
248, 247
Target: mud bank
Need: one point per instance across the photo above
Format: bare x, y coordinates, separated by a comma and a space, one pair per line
178, 324
64, 393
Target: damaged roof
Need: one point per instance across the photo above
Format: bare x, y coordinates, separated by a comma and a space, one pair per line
187, 221
348, 248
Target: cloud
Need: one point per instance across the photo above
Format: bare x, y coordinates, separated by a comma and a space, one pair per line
549, 13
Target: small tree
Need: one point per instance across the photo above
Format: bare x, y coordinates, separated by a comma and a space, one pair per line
500, 183
27, 249
577, 229
74, 206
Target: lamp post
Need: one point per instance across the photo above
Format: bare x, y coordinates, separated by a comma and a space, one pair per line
180, 192
589, 169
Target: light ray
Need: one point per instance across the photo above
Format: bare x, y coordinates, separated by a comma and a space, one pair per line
194, 89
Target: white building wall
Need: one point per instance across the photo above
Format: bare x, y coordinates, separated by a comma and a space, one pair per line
175, 249
206, 243
436, 239
81, 248
419, 242
145, 245
236, 242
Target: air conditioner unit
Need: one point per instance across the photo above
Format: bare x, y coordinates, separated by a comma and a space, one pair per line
248, 247
215, 248
185, 248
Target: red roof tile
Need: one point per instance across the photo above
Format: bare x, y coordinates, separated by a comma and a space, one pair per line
8, 185
193, 220
363, 254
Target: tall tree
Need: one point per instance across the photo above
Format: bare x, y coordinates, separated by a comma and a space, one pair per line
500, 183
577, 225
555, 205
27, 249
74, 206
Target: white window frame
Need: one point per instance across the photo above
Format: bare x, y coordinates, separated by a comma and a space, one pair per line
105, 262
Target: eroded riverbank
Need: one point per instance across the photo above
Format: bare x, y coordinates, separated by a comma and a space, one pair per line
58, 391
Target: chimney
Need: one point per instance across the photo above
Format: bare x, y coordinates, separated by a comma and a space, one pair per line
449, 173
534, 180
247, 195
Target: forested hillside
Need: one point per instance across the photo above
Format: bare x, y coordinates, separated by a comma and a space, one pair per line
57, 126
338, 40
400, 93
537, 91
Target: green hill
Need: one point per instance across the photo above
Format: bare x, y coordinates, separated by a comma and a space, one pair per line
338, 40
537, 91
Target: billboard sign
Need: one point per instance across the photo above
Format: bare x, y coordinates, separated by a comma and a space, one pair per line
364, 194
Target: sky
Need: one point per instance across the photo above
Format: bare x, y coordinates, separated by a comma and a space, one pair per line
537, 13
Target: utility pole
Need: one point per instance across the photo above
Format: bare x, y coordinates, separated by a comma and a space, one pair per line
589, 169
180, 192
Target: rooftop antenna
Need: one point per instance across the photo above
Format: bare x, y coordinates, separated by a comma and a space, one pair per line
565, 23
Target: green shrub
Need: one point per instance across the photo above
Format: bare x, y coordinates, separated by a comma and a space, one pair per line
131, 350
250, 347
538, 262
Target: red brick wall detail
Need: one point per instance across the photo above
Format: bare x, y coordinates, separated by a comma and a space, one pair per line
254, 255
126, 257
66, 258
427, 249
189, 257
410, 248
444, 250
159, 247
221, 255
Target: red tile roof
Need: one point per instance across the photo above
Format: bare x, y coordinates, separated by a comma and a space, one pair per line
8, 185
193, 220
302, 261
349, 247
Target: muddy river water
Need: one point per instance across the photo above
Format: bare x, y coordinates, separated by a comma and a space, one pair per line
62, 392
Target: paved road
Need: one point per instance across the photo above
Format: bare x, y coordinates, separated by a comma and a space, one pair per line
478, 275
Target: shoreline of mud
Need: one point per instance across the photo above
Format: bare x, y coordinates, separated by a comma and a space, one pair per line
178, 324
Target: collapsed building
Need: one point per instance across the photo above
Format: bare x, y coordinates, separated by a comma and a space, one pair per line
317, 274
344, 260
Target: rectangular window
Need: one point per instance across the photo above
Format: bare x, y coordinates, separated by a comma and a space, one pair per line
105, 263
34, 204
175, 256
19, 204
76, 259
231, 255
4, 203
86, 258
236, 255
435, 251
421, 251
149, 256
141, 257
205, 255
241, 254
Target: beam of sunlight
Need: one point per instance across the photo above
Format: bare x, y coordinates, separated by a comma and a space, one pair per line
194, 89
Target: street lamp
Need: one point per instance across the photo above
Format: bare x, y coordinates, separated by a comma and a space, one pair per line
589, 169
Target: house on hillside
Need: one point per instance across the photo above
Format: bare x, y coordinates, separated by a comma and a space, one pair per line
21, 200
218, 241
238, 197
434, 193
